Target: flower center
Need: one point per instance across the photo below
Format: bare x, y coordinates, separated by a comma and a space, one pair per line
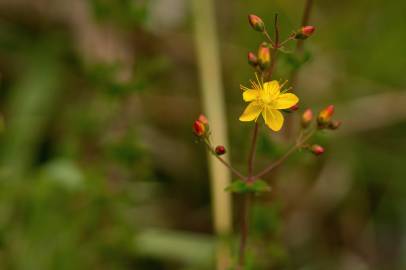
266, 98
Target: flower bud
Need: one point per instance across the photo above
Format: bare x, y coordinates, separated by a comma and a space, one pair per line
334, 124
198, 128
252, 59
307, 118
264, 56
220, 150
294, 107
305, 32
325, 115
256, 23
317, 149
203, 119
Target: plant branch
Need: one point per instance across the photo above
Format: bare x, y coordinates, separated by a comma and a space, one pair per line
225, 163
275, 48
295, 147
305, 20
244, 229
252, 151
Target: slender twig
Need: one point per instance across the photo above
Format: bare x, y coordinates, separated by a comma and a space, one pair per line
252, 151
305, 20
296, 146
299, 47
246, 205
232, 169
276, 28
275, 48
228, 165
266, 34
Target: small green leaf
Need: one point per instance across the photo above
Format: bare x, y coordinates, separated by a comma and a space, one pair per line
239, 186
259, 186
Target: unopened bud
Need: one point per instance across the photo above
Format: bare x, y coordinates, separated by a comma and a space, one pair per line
252, 59
220, 150
203, 119
307, 118
305, 32
334, 124
264, 56
294, 107
256, 23
317, 149
325, 115
198, 128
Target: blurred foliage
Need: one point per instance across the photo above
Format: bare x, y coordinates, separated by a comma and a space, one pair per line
126, 13
89, 160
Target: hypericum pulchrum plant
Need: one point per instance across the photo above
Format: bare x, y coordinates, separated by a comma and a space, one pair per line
267, 99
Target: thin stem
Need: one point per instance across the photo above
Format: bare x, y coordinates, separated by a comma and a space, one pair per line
305, 20
266, 34
276, 26
231, 168
252, 151
298, 145
275, 48
228, 165
299, 47
246, 204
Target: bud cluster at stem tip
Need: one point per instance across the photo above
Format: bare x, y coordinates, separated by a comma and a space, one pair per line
200, 126
324, 117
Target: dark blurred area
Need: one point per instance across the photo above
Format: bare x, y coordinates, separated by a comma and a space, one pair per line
99, 168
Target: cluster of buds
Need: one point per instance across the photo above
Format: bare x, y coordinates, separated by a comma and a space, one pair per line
304, 32
262, 59
201, 130
324, 121
201, 126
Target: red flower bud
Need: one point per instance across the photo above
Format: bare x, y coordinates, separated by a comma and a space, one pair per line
308, 30
198, 128
252, 59
305, 32
203, 119
317, 149
325, 115
294, 107
256, 23
307, 118
220, 150
334, 124
264, 56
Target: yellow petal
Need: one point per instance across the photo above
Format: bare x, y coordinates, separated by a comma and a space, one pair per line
273, 119
251, 112
285, 101
272, 89
250, 95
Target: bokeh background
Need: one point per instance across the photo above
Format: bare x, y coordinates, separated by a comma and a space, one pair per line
99, 168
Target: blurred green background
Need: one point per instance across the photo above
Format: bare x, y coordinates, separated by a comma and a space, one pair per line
99, 168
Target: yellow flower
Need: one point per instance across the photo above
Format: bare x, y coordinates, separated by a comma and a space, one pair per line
266, 98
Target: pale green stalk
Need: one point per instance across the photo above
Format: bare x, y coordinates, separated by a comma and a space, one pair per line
207, 50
